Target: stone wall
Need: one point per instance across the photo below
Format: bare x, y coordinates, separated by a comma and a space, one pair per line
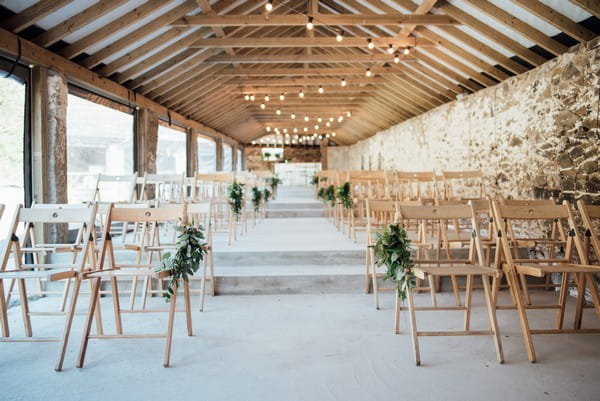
534, 135
293, 154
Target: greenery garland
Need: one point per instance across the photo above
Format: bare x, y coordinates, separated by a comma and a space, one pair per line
392, 249
236, 198
257, 198
274, 182
190, 252
266, 195
327, 195
343, 194
314, 180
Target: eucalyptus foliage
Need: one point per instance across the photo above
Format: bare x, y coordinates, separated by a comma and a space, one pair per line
266, 195
236, 197
314, 180
392, 249
190, 252
257, 198
343, 195
327, 195
274, 182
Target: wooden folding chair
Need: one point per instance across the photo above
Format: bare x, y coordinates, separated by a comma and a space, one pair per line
114, 269
380, 213
127, 192
52, 269
590, 215
469, 268
163, 187
456, 184
200, 215
533, 219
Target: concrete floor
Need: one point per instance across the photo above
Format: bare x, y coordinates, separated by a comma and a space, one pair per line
301, 347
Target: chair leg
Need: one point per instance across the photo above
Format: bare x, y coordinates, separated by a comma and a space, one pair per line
116, 304
562, 300
134, 282
468, 293
24, 307
170, 329
203, 286
88, 321
65, 295
525, 289
3, 312
491, 308
375, 287
145, 291
511, 277
455, 290
431, 281
413, 328
397, 315
98, 314
69, 321
188, 307
367, 272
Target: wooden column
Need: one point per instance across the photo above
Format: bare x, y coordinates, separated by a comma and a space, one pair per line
324, 143
192, 152
219, 154
146, 141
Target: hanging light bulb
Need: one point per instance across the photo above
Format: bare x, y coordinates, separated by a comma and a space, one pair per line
316, 126
390, 49
396, 59
319, 119
331, 119
328, 124
340, 119
333, 134
370, 44
321, 90
278, 112
305, 129
282, 97
268, 129
285, 131
301, 94
320, 137
327, 136
269, 5
296, 130
252, 97
267, 98
344, 83
262, 106
368, 73
293, 116
340, 36
406, 51
306, 118
309, 24
348, 114
247, 97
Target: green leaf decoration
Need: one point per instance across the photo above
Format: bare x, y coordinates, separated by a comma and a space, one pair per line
257, 198
327, 195
236, 198
392, 249
187, 258
343, 195
266, 195
274, 182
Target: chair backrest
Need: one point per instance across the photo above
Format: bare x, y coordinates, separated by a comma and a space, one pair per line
379, 213
82, 217
590, 214
442, 216
417, 184
163, 187
456, 183
540, 225
124, 185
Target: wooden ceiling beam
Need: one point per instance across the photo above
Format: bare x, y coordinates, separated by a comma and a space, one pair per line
319, 19
556, 19
32, 14
324, 81
307, 72
313, 58
423, 8
292, 91
450, 73
482, 79
349, 41
591, 6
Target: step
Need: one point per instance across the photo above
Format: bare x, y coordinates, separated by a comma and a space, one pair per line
293, 213
276, 205
286, 258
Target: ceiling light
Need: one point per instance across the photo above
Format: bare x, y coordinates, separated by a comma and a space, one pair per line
268, 129
278, 112
252, 97
301, 94
327, 136
269, 5
247, 97
316, 126
321, 90
328, 124
331, 119
406, 51
368, 73
309, 24
282, 97
285, 130
343, 83
320, 137
370, 43
340, 36
390, 49
348, 114
293, 116
267, 98
333, 134
305, 129
296, 130
262, 106
396, 59
319, 119
340, 119
306, 118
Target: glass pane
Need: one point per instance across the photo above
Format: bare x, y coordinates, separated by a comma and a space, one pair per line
240, 162
227, 157
99, 140
207, 155
12, 127
170, 151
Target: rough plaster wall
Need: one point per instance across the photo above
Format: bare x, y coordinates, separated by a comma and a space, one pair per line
254, 160
534, 135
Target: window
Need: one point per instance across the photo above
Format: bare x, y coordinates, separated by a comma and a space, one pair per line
240, 161
207, 155
99, 140
227, 157
13, 103
170, 151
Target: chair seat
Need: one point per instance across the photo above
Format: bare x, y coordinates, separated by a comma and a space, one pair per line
459, 270
541, 271
129, 272
48, 274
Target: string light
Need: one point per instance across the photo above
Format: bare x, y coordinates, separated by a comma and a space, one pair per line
285, 131
406, 51
268, 129
333, 134
278, 112
296, 130
282, 97
340, 119
305, 129
321, 90
262, 106
293, 116
267, 98
368, 73
348, 114
309, 24
370, 44
340, 36
316, 126
331, 119
301, 94
306, 118
319, 119
390, 49
269, 5
396, 59
328, 124
247, 97
344, 83
252, 97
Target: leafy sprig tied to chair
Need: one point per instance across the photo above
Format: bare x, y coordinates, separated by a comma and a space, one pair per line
327, 195
257, 198
186, 260
236, 198
274, 182
343, 195
392, 249
266, 195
